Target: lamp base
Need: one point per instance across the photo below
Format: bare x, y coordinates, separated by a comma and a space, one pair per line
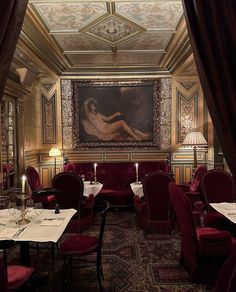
194, 158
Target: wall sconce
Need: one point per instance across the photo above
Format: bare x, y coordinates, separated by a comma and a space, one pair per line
194, 139
55, 152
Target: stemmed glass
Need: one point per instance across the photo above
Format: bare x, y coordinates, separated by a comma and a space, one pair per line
14, 211
38, 209
29, 206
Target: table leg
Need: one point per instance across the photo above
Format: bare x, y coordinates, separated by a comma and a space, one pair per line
24, 253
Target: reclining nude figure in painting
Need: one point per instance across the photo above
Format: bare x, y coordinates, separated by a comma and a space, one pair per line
105, 128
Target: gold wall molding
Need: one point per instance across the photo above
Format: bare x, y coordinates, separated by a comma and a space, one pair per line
188, 109
117, 156
48, 95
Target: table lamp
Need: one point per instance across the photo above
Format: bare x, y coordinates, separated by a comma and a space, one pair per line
55, 152
194, 139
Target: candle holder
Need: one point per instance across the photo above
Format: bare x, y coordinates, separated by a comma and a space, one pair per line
23, 220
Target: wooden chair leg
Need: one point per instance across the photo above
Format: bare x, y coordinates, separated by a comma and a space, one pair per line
99, 275
53, 260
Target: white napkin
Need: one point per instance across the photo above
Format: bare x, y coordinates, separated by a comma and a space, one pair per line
4, 221
8, 232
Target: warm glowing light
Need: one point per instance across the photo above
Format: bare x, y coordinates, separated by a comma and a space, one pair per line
54, 152
23, 180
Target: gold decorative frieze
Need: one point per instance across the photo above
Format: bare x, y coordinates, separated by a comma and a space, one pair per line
188, 110
116, 157
187, 85
48, 95
149, 156
187, 120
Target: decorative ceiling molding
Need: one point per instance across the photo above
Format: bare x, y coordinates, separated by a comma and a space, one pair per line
95, 37
113, 30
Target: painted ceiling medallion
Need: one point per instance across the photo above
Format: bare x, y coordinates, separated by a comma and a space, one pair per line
113, 30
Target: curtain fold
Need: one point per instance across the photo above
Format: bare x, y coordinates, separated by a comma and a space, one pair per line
12, 14
211, 25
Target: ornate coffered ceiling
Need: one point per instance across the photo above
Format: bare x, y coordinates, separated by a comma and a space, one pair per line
96, 38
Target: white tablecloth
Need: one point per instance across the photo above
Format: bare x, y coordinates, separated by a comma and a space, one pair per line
137, 188
37, 230
93, 188
227, 209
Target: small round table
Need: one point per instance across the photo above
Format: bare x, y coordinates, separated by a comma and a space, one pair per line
137, 188
92, 188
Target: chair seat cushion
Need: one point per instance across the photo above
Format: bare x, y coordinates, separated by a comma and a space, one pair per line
120, 192
79, 245
213, 241
18, 275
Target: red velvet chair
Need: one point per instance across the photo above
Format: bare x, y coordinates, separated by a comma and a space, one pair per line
81, 246
193, 189
217, 186
226, 280
13, 277
154, 211
71, 187
203, 249
74, 167
39, 194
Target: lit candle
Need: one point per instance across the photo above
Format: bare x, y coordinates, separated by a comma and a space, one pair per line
95, 171
23, 179
136, 166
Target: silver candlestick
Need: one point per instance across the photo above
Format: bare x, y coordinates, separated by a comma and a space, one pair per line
23, 220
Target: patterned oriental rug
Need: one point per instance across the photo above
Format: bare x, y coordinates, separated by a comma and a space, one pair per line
132, 261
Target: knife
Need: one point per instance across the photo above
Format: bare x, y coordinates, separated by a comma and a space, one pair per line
19, 232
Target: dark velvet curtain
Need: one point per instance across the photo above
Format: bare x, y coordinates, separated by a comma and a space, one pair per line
212, 29
12, 14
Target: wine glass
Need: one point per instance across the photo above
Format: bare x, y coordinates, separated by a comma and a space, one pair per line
14, 211
12, 208
83, 177
38, 208
29, 206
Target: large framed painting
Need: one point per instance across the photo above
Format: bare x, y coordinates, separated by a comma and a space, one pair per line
112, 114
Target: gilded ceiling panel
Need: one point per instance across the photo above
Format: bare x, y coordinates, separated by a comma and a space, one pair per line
77, 42
152, 15
70, 16
148, 41
99, 35
138, 58
113, 30
91, 59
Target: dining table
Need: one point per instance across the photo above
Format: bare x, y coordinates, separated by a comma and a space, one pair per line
44, 226
228, 209
91, 187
